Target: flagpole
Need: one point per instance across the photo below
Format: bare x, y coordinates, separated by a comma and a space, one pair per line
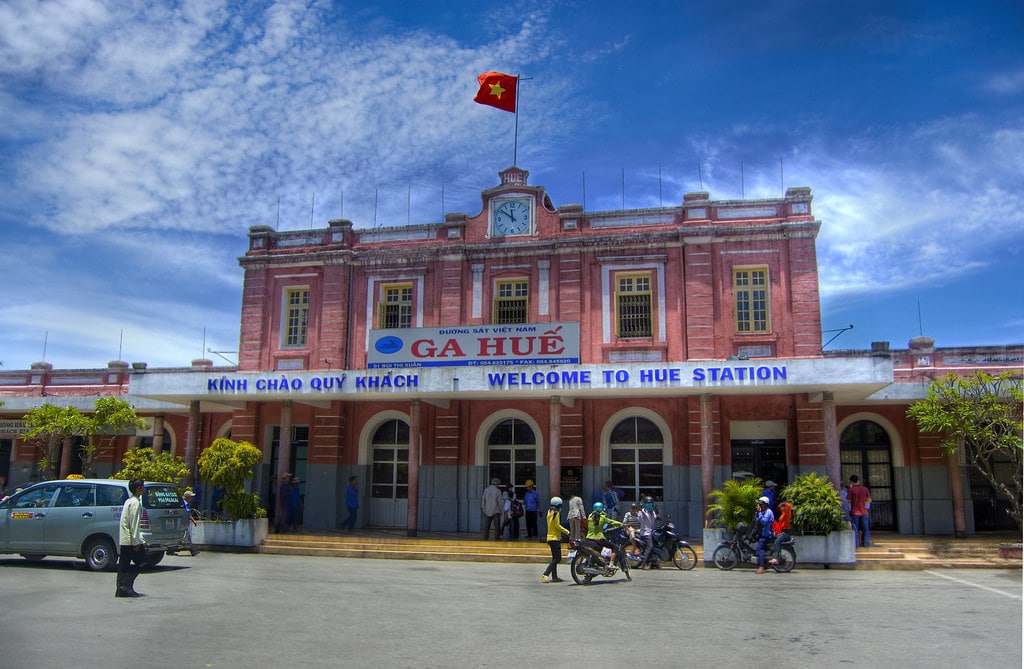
515, 141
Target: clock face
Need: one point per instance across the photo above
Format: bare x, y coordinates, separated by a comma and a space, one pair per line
512, 217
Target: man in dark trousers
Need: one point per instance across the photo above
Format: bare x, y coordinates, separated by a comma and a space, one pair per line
130, 540
860, 511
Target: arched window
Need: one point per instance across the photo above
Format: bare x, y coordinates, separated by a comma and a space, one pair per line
865, 450
390, 473
637, 450
512, 453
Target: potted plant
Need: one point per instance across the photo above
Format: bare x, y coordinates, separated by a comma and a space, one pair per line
818, 519
229, 464
733, 503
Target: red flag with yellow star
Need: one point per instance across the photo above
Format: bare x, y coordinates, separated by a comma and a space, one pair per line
497, 90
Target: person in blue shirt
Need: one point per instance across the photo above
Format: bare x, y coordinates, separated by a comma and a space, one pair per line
187, 499
351, 503
769, 492
765, 519
531, 506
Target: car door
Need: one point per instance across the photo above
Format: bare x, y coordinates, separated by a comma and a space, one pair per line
25, 517
70, 519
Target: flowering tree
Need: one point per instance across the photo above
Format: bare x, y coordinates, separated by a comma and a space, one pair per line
980, 416
49, 425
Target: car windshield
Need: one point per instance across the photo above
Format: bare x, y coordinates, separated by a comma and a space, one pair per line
158, 496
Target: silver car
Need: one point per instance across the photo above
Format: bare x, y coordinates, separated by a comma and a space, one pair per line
80, 517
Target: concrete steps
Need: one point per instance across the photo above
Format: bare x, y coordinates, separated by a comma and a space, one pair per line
919, 553
394, 548
891, 552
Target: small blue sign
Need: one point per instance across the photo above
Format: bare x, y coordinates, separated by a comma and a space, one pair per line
389, 345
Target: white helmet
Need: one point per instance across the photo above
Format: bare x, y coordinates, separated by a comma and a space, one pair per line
764, 500
556, 501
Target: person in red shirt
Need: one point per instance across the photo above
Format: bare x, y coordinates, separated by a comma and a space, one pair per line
781, 529
860, 503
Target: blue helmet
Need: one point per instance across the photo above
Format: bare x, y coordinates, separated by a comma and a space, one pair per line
598, 506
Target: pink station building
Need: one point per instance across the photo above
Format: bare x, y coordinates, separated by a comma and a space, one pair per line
664, 349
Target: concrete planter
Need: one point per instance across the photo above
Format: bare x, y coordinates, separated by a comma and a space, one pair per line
246, 532
834, 548
712, 537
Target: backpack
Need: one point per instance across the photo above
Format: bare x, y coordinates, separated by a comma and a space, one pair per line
515, 508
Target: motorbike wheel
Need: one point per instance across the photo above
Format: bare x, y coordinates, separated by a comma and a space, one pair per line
685, 558
580, 562
787, 560
725, 557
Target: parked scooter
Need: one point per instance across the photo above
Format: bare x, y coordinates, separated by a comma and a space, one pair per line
589, 559
735, 549
668, 547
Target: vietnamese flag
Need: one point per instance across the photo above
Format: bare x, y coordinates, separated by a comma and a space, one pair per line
497, 90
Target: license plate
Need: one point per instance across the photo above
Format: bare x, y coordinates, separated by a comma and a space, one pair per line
170, 523
572, 554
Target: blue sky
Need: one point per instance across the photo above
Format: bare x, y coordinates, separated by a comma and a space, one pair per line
141, 140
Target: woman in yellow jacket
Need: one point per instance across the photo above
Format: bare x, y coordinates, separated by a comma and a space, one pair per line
555, 532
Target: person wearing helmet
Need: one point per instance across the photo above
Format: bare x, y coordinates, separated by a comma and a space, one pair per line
597, 522
531, 503
645, 535
555, 532
764, 520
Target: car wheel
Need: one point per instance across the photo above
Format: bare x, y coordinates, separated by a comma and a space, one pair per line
100, 555
153, 559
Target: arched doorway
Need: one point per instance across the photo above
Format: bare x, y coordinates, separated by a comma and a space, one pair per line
865, 450
389, 474
636, 455
512, 454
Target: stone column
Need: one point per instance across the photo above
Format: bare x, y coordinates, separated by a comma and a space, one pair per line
555, 449
284, 442
158, 433
833, 461
192, 440
707, 452
956, 489
413, 497
67, 451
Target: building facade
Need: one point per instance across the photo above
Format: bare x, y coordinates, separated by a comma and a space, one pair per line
663, 349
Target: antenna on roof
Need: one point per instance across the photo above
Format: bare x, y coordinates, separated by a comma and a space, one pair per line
312, 205
341, 203
623, 187
838, 332
277, 221
442, 199
584, 191
661, 200
374, 208
46, 335
408, 204
782, 178
120, 344
743, 192
920, 323
700, 177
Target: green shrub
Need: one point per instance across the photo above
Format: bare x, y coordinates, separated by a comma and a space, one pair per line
735, 502
229, 464
817, 508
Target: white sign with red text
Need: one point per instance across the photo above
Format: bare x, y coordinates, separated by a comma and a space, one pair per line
475, 345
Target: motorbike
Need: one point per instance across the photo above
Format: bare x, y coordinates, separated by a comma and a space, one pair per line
668, 547
589, 559
735, 549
